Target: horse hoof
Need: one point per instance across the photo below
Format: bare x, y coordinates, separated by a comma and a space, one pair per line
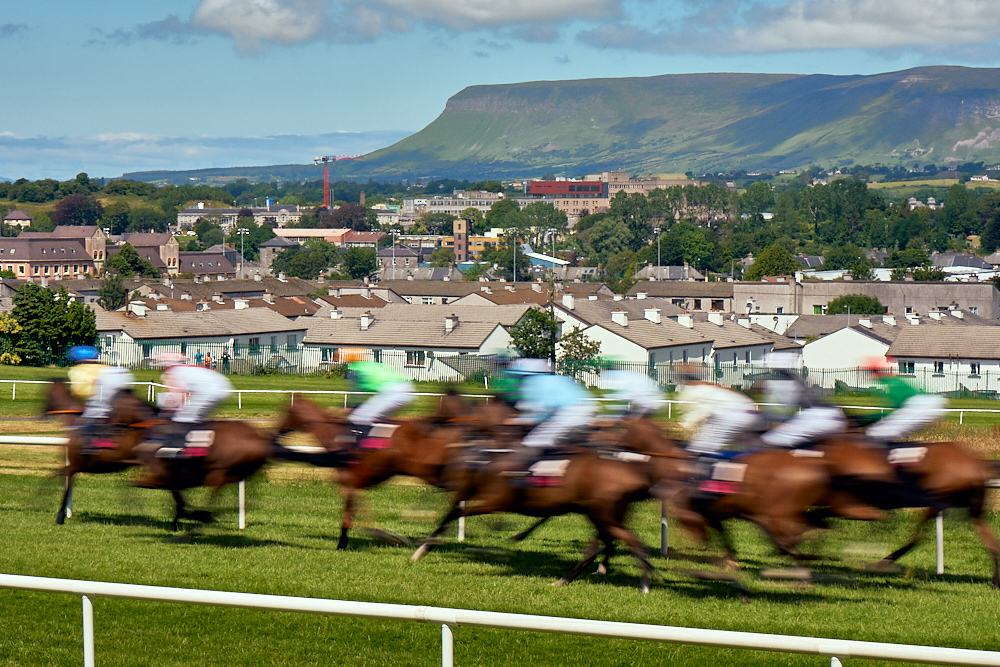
419, 553
601, 571
644, 588
60, 519
561, 582
201, 516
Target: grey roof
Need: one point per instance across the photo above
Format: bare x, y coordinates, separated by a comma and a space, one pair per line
780, 342
147, 239
17, 215
598, 311
682, 288
972, 342
204, 262
382, 332
960, 259
43, 248
278, 242
810, 261
507, 315
64, 232
211, 323
730, 334
649, 335
809, 326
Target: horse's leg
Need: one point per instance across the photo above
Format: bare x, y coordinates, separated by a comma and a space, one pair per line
347, 518
929, 514
179, 509
618, 531
524, 534
454, 512
66, 499
589, 554
989, 539
604, 566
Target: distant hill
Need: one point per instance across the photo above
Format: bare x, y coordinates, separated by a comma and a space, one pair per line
702, 122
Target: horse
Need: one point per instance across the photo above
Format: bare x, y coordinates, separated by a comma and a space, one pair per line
80, 459
422, 448
600, 487
237, 451
930, 475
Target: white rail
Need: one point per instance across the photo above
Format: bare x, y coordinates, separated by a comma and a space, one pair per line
450, 619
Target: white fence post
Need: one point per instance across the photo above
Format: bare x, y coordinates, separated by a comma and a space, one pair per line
88, 632
461, 523
13, 391
447, 646
243, 503
939, 525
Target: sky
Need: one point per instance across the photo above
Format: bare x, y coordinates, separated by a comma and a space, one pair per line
115, 86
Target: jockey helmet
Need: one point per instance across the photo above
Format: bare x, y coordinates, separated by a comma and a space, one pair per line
79, 353
168, 359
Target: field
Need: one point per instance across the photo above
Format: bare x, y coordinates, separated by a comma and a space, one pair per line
118, 534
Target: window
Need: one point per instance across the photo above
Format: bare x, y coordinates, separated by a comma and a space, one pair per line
34, 270
147, 350
328, 354
717, 304
184, 348
292, 341
748, 356
817, 310
20, 269
734, 358
973, 368
254, 344
415, 357
939, 367
685, 356
274, 343
972, 309
779, 310
906, 367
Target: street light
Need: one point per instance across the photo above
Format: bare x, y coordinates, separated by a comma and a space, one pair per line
657, 232
242, 231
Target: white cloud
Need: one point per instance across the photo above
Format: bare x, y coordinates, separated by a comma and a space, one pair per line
807, 25
475, 14
255, 24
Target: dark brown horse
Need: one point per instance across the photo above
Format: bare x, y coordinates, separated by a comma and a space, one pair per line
600, 487
421, 448
82, 459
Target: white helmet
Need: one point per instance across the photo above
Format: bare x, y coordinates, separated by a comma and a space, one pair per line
529, 367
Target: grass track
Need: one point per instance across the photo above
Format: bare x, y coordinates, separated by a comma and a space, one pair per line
119, 534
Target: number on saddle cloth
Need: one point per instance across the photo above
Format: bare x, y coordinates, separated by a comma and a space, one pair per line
901, 456
379, 437
197, 444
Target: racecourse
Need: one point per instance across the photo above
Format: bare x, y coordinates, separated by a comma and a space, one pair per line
118, 534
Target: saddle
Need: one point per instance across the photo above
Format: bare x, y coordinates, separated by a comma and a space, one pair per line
376, 436
97, 437
183, 441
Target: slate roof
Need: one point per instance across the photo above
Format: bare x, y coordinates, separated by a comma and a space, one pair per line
204, 262
972, 342
648, 335
147, 239
683, 289
950, 259
394, 333
63, 232
598, 311
17, 215
45, 248
402, 312
164, 324
730, 334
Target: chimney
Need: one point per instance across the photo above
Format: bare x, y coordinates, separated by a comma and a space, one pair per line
934, 315
240, 304
268, 296
957, 313
366, 320
640, 295
201, 205
450, 323
865, 322
45, 282
202, 306
848, 275
185, 296
592, 297
618, 297
652, 314
509, 288
536, 287
569, 301
281, 276
336, 313
619, 317
256, 277
409, 276
218, 298
715, 317
889, 319
163, 306
798, 276
137, 308
744, 322
914, 320
486, 288
685, 320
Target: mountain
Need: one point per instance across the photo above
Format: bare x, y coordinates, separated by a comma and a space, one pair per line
701, 122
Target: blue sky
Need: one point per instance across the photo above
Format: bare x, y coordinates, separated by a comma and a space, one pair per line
110, 86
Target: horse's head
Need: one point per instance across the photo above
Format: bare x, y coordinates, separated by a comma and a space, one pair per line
128, 409
60, 401
305, 416
668, 459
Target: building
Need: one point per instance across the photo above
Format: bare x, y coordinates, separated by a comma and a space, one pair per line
460, 244
270, 248
162, 250
208, 265
334, 236
17, 218
950, 359
453, 205
689, 295
56, 259
93, 238
274, 215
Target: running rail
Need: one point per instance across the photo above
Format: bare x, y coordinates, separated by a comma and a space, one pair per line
835, 649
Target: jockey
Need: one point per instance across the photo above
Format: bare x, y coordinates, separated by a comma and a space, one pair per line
97, 384
203, 387
714, 416
912, 409
632, 394
391, 391
554, 404
806, 418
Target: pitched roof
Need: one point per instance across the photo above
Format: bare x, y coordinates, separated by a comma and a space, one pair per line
403, 312
780, 342
972, 342
13, 248
598, 311
384, 332
650, 335
683, 289
350, 301
730, 334
17, 215
64, 232
211, 323
147, 239
204, 262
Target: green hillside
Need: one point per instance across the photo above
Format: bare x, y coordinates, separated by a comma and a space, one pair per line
701, 122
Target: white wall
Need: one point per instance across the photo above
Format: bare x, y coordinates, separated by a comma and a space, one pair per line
846, 348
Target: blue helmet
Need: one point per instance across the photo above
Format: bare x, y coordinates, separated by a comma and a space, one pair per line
80, 353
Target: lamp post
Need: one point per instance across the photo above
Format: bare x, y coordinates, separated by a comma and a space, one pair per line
657, 232
242, 231
394, 233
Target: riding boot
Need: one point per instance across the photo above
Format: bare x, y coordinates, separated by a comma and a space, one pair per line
360, 432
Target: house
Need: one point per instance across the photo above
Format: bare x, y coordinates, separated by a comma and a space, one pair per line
847, 348
355, 239
733, 344
44, 259
269, 250
162, 250
92, 237
692, 296
685, 272
573, 311
17, 218
398, 257
950, 359
206, 265
300, 236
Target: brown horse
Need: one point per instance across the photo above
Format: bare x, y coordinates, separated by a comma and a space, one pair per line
237, 451
421, 448
931, 475
80, 459
602, 488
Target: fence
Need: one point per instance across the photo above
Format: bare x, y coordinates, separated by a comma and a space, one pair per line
453, 618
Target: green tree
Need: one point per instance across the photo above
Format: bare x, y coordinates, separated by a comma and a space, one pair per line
577, 354
543, 219
111, 294
10, 337
535, 335
360, 262
442, 257
117, 216
757, 198
51, 323
77, 209
127, 262
842, 257
437, 223
855, 304
774, 260
477, 223
929, 274
504, 214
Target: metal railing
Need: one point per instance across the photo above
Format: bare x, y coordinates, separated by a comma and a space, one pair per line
450, 618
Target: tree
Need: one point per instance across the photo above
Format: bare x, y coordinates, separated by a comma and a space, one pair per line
307, 261
10, 336
477, 223
757, 198
855, 304
51, 324
534, 336
117, 216
111, 294
442, 257
360, 262
774, 260
504, 214
577, 354
348, 216
437, 223
77, 209
543, 219
127, 262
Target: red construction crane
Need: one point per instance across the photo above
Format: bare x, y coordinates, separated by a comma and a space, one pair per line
326, 160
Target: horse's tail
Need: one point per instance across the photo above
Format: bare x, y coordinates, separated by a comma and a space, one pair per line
317, 456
